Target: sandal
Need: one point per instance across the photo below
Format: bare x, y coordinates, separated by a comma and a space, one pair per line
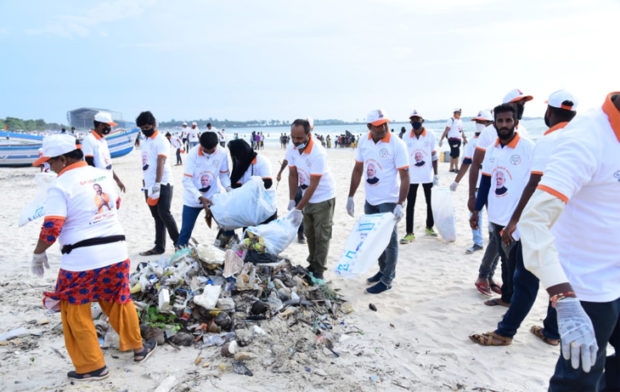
496, 302
538, 332
496, 288
95, 375
152, 252
490, 339
147, 349
483, 288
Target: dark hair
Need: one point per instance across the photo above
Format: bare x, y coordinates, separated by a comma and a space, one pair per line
504, 108
563, 115
145, 118
303, 123
76, 154
209, 140
168, 134
209, 124
95, 123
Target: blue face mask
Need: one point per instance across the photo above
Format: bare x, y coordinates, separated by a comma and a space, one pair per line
301, 146
416, 125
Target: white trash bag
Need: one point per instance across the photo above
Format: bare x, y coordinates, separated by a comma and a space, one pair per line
34, 209
248, 205
278, 234
368, 239
443, 213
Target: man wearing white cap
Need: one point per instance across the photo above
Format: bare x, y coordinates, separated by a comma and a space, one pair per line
560, 110
81, 213
95, 147
422, 165
385, 161
184, 136
193, 135
454, 132
569, 230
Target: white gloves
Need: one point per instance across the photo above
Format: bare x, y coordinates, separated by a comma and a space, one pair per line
38, 261
435, 180
297, 217
576, 334
398, 212
155, 190
228, 188
291, 204
453, 186
350, 207
440, 143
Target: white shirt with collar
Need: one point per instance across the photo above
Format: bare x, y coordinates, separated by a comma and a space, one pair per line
96, 147
203, 174
421, 154
312, 162
152, 148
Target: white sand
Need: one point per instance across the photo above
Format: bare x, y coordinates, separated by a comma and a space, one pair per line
417, 340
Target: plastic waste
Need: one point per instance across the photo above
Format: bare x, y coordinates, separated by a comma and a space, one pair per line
209, 254
35, 209
233, 263
14, 333
276, 235
164, 300
444, 213
246, 206
368, 239
208, 298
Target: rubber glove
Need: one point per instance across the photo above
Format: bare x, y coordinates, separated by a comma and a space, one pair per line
453, 186
155, 191
297, 217
440, 143
398, 212
350, 207
291, 204
576, 334
435, 180
228, 189
38, 262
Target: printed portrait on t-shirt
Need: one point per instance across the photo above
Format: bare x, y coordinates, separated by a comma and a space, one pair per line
205, 182
145, 165
102, 200
500, 183
371, 174
304, 179
418, 158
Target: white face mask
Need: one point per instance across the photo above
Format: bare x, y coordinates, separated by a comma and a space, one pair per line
480, 127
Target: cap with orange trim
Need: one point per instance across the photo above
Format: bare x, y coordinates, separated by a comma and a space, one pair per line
377, 117
562, 99
105, 117
55, 146
516, 95
416, 113
483, 115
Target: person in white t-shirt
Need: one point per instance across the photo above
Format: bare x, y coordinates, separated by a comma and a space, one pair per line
193, 135
454, 133
569, 232
308, 170
81, 213
157, 182
222, 135
175, 142
385, 161
95, 147
184, 136
422, 171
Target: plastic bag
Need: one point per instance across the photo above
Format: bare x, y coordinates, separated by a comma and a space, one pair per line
443, 213
249, 205
277, 235
34, 209
368, 239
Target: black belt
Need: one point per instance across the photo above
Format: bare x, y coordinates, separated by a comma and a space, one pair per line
66, 249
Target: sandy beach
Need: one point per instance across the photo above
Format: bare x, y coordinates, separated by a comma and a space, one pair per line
417, 339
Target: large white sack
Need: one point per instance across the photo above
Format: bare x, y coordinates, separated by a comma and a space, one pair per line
277, 235
443, 213
34, 209
249, 205
368, 239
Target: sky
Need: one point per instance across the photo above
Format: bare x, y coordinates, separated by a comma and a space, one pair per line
286, 59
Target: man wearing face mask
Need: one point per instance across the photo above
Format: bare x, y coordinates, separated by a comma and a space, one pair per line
388, 195
95, 147
157, 182
421, 147
308, 170
454, 132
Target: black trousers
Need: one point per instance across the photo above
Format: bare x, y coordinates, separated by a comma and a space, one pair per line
411, 196
179, 160
298, 197
164, 221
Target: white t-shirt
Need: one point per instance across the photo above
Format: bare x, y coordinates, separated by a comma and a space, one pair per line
421, 151
382, 160
584, 172
543, 149
488, 136
470, 148
455, 128
86, 197
509, 169
152, 147
312, 163
175, 142
201, 174
96, 147
259, 167
193, 135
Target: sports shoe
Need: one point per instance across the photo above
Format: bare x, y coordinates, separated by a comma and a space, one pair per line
431, 232
474, 248
377, 289
408, 238
375, 278
301, 239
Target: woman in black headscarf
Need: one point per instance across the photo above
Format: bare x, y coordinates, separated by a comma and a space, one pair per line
247, 163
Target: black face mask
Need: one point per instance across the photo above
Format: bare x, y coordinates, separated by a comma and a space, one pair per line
148, 133
205, 189
106, 130
547, 122
416, 125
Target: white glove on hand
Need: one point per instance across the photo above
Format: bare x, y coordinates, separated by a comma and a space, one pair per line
398, 212
297, 217
228, 188
435, 180
350, 207
440, 143
291, 204
453, 186
38, 261
576, 334
155, 191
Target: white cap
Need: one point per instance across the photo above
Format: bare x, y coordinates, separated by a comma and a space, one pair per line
483, 115
54, 146
195, 123
456, 110
415, 113
105, 117
184, 123
516, 95
377, 117
311, 122
562, 99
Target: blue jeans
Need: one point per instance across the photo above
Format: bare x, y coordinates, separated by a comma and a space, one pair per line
490, 258
389, 257
193, 144
605, 374
477, 234
190, 214
525, 289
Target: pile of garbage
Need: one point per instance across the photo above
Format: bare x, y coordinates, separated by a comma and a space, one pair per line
207, 297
